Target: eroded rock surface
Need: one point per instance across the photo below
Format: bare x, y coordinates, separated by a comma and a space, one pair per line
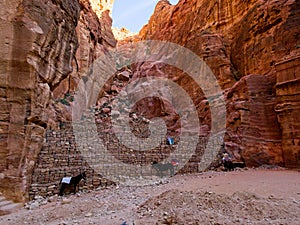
287, 108
251, 46
242, 41
45, 46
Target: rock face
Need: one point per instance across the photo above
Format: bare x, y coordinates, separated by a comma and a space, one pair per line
122, 33
251, 46
244, 43
287, 108
45, 45
100, 6
253, 134
94, 36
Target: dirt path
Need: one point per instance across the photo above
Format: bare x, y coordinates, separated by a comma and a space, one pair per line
239, 197
282, 184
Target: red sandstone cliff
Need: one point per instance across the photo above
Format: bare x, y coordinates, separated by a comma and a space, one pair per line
245, 44
251, 46
45, 46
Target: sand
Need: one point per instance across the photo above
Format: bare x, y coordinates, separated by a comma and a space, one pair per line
251, 196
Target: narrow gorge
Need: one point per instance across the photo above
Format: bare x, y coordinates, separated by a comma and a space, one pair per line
47, 46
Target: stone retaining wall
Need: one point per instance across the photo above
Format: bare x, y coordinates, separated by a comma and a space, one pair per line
60, 157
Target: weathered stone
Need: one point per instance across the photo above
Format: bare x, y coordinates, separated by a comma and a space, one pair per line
106, 110
124, 76
287, 108
114, 88
122, 34
101, 6
66, 201
47, 47
39, 67
237, 39
253, 133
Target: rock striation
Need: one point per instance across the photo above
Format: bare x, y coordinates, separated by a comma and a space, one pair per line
253, 134
287, 108
251, 46
45, 46
244, 43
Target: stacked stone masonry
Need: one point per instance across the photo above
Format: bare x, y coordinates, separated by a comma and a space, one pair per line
60, 157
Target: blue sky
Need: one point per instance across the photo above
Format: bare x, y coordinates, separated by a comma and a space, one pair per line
133, 14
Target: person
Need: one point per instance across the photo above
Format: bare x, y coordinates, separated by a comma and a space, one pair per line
227, 162
170, 141
174, 162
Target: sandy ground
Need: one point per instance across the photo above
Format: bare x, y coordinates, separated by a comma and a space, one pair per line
253, 196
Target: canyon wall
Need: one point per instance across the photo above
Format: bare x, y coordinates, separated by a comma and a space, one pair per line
251, 46
45, 47
287, 108
244, 43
